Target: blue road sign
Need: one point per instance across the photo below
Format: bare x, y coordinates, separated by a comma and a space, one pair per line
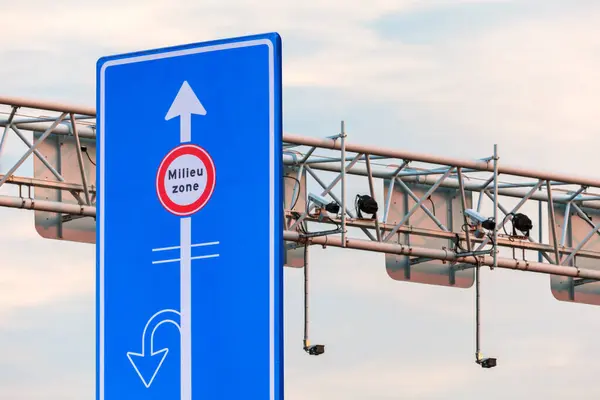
189, 261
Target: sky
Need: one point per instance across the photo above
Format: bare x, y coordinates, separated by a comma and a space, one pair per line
439, 76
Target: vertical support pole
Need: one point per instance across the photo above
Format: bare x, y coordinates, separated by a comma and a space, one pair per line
372, 190
306, 341
563, 236
86, 191
478, 356
388, 199
553, 221
540, 230
496, 205
463, 204
186, 307
343, 140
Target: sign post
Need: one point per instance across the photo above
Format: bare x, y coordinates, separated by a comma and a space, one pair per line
172, 124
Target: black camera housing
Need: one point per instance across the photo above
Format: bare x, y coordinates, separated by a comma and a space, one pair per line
488, 363
315, 350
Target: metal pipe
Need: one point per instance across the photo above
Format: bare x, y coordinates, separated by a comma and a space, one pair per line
576, 194
388, 200
448, 183
306, 341
552, 222
47, 105
480, 198
447, 255
567, 220
530, 244
495, 204
463, 205
372, 191
479, 165
85, 130
590, 198
435, 171
478, 356
80, 161
526, 184
44, 205
30, 119
307, 155
487, 183
343, 168
540, 230
41, 183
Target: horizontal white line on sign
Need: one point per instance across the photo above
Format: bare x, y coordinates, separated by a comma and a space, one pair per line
177, 247
178, 259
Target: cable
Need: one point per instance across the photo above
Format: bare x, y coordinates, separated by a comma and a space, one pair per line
491, 240
89, 158
298, 194
432, 205
504, 223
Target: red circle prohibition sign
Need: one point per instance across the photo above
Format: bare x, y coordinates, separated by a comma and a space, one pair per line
162, 190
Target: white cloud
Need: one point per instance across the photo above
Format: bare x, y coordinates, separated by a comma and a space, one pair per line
35, 271
384, 381
525, 82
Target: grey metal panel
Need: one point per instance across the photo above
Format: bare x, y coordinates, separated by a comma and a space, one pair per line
565, 288
294, 252
448, 211
61, 152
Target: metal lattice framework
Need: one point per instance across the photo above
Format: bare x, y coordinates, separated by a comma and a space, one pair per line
78, 122
379, 235
458, 246
576, 193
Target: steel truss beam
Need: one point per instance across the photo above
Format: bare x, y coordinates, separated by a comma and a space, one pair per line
69, 120
445, 255
349, 159
462, 175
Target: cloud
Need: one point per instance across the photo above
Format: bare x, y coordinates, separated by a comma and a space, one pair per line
51, 351
35, 272
384, 381
526, 80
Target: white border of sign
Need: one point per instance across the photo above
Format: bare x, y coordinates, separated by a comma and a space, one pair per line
180, 53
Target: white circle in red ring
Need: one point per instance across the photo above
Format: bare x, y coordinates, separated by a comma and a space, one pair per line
182, 156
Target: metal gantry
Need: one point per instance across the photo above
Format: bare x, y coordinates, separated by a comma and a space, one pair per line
546, 187
77, 122
426, 220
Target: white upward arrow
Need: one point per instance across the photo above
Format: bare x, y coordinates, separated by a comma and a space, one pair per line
185, 104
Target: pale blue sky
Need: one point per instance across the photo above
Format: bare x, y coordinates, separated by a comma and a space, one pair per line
440, 76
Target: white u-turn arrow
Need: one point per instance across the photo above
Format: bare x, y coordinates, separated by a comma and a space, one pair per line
148, 362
